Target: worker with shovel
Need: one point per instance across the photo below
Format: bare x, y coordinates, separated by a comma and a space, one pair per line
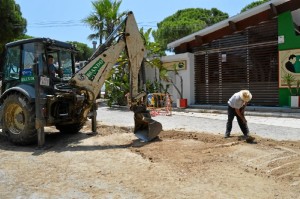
236, 107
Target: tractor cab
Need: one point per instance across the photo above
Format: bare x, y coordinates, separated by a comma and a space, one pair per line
27, 59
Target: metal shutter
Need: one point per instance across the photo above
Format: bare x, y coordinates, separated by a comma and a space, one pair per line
245, 60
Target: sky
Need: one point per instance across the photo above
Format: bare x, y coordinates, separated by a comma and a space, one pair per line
62, 19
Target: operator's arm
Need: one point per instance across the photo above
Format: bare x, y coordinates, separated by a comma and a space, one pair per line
53, 71
59, 72
240, 113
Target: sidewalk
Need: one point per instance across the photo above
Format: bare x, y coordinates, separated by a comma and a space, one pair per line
273, 123
250, 110
262, 111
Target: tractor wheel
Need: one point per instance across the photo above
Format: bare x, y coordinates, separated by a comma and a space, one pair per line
70, 128
19, 120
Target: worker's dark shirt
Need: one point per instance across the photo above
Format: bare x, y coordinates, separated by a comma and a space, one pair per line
53, 71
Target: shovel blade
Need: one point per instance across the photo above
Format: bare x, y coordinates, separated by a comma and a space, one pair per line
145, 127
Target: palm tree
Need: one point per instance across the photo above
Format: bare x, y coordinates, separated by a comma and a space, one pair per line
104, 18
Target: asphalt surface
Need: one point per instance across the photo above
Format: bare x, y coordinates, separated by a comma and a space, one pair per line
277, 124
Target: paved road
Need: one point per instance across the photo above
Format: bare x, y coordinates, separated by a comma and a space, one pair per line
278, 128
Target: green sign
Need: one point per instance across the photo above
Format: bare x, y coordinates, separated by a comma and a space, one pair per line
92, 72
27, 79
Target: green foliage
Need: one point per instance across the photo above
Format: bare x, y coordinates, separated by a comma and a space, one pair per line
154, 53
253, 4
84, 52
103, 19
154, 49
290, 80
13, 25
185, 22
24, 37
117, 85
156, 87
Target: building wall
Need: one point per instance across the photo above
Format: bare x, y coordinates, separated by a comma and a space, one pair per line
289, 43
187, 74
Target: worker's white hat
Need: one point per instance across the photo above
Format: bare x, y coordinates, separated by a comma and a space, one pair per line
245, 95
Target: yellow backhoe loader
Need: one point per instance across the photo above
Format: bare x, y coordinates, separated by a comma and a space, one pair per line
35, 95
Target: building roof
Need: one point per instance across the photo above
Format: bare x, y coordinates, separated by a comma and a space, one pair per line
240, 21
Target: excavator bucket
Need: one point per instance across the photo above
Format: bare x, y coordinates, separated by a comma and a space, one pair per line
146, 128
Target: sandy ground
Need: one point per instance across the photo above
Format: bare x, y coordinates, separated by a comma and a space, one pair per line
113, 164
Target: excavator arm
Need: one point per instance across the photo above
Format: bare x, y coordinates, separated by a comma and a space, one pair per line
92, 76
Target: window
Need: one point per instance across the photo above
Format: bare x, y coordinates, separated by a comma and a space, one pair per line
28, 62
12, 65
66, 65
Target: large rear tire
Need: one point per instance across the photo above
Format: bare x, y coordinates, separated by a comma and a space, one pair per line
19, 120
70, 128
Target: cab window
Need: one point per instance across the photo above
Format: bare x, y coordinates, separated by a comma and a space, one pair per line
12, 64
66, 64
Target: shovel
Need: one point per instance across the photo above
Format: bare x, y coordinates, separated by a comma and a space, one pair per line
145, 128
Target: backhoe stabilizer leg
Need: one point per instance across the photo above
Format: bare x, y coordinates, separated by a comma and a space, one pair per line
146, 128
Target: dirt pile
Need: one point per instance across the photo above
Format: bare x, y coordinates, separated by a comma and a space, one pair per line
114, 164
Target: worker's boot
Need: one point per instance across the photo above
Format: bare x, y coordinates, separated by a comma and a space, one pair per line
227, 135
248, 138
